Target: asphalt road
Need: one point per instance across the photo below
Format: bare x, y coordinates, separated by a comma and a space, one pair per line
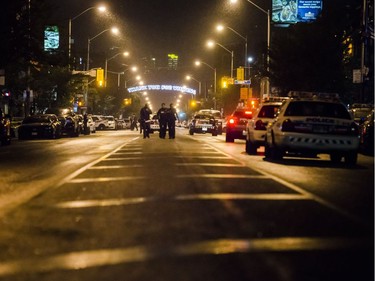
114, 206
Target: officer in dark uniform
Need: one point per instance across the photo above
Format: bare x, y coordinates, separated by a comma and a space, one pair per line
163, 120
145, 120
86, 130
172, 117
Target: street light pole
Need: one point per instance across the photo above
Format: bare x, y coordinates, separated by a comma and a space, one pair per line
214, 69
220, 27
210, 43
101, 8
267, 12
115, 30
106, 65
188, 77
134, 69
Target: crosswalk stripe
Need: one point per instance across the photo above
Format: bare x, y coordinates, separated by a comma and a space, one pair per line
112, 202
108, 257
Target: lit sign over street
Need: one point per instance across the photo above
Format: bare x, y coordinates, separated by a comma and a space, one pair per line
162, 88
294, 11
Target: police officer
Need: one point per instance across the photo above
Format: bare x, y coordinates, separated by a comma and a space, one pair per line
145, 120
172, 117
86, 130
162, 115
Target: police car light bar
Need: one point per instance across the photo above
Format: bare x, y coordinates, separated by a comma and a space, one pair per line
274, 99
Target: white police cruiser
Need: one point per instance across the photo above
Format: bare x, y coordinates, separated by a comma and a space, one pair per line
310, 123
257, 126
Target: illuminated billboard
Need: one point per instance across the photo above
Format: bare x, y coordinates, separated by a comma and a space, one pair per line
294, 11
51, 38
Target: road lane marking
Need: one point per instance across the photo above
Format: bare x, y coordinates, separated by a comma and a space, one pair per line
210, 164
187, 197
115, 167
122, 158
165, 156
80, 260
129, 153
103, 179
243, 196
302, 191
223, 176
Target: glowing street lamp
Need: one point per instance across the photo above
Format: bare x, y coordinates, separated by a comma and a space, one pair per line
198, 63
100, 9
138, 78
267, 12
211, 44
220, 28
189, 77
114, 30
125, 54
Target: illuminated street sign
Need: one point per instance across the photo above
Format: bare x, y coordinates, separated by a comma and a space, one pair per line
162, 88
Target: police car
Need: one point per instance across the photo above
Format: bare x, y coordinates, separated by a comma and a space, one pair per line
218, 118
154, 124
203, 123
310, 123
256, 127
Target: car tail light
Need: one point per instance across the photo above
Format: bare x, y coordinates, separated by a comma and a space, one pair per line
232, 121
287, 126
249, 114
259, 125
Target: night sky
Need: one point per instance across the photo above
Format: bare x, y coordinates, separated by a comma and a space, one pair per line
155, 28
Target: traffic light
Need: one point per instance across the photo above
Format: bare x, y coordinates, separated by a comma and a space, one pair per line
100, 77
127, 101
240, 73
224, 82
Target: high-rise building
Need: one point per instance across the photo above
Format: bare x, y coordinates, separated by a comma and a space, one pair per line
172, 61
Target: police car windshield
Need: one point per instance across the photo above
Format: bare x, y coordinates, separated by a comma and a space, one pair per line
268, 111
203, 116
321, 109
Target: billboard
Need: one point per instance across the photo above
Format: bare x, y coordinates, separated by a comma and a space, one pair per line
51, 38
294, 11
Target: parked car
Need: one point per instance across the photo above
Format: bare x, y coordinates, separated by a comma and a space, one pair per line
311, 123
203, 123
123, 123
236, 124
111, 122
40, 126
70, 125
360, 111
100, 122
256, 127
5, 132
367, 135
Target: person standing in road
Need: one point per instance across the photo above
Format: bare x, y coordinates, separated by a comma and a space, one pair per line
145, 120
172, 117
86, 130
133, 123
162, 115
